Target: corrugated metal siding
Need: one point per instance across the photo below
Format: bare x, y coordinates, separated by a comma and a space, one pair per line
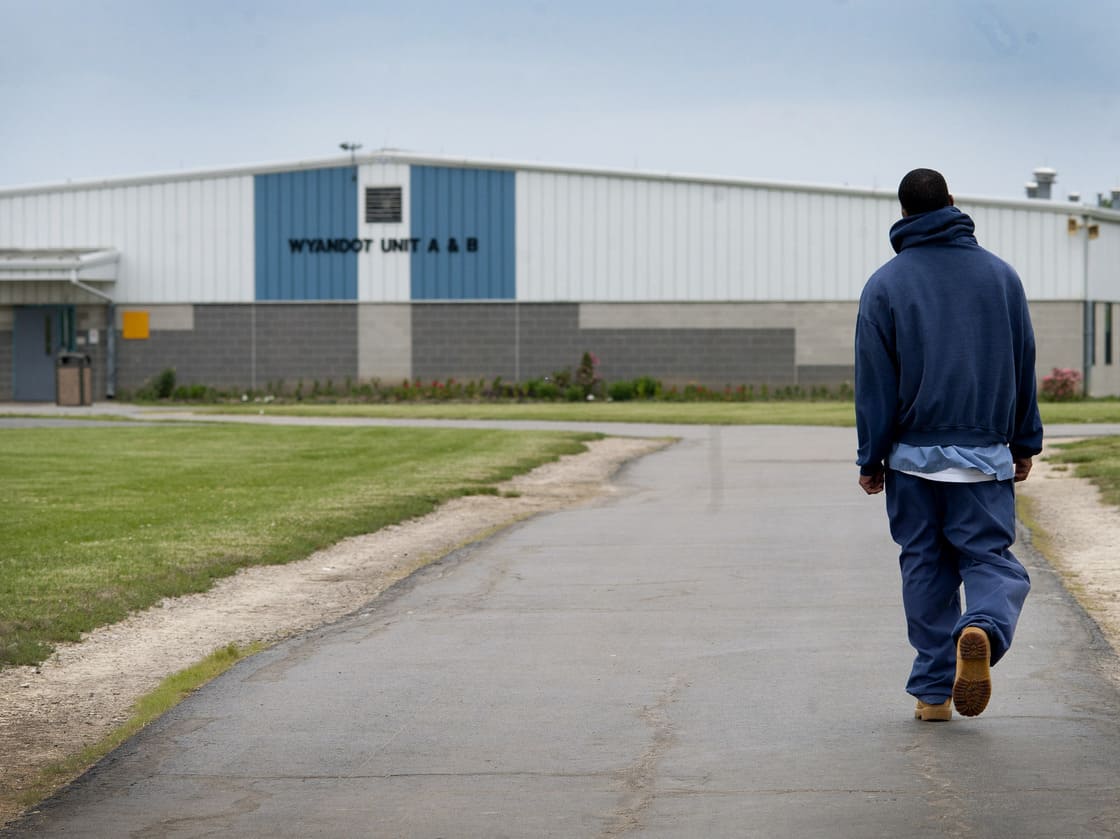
462, 204
1038, 245
309, 208
384, 274
184, 241
579, 236
1104, 267
600, 238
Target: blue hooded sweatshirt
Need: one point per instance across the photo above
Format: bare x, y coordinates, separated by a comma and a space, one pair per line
945, 350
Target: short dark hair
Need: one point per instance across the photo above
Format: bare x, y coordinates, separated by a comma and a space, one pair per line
923, 190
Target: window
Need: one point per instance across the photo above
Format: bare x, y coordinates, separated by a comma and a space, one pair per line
1107, 333
1092, 330
383, 205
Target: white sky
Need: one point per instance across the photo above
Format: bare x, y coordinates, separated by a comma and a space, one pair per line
821, 91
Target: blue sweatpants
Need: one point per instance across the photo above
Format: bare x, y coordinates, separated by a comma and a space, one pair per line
953, 533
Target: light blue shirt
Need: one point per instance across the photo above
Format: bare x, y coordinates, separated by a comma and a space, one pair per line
992, 463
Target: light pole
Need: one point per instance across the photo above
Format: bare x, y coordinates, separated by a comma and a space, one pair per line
352, 148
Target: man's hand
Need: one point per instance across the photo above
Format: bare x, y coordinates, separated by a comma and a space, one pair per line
1022, 468
873, 484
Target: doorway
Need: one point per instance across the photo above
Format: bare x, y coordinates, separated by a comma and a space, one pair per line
39, 334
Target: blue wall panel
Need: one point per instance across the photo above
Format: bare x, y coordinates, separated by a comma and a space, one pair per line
464, 221
306, 235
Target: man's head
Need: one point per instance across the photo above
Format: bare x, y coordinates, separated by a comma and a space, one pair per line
923, 190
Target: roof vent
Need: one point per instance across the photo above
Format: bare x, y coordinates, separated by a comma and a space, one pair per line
1075, 198
1044, 176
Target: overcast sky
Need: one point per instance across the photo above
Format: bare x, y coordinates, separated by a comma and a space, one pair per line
820, 91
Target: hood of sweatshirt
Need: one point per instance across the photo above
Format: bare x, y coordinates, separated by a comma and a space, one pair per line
937, 227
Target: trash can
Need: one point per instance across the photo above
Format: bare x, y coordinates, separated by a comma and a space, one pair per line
74, 379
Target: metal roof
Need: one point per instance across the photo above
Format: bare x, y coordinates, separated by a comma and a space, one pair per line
407, 157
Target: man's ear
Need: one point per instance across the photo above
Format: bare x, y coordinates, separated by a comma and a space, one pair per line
904, 213
951, 201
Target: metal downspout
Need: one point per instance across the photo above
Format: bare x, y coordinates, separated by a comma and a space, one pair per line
1089, 326
96, 292
110, 350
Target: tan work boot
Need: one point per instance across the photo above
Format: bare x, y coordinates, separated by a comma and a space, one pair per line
973, 686
934, 713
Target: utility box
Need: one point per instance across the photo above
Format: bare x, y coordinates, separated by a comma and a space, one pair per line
74, 379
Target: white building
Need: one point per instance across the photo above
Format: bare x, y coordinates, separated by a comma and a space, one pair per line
394, 266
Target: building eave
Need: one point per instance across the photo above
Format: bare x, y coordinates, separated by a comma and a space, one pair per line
398, 156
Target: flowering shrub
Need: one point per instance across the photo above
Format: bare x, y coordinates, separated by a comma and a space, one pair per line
1062, 385
587, 376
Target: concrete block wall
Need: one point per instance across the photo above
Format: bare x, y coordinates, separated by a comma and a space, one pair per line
827, 375
822, 333
463, 341
306, 342
89, 319
385, 342
524, 341
215, 348
714, 357
245, 345
253, 345
551, 339
1058, 335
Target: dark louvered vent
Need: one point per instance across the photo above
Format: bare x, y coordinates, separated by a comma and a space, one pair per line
383, 204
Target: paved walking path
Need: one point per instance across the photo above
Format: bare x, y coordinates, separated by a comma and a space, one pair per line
48, 414
718, 652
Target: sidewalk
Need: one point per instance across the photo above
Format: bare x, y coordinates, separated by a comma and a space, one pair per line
48, 413
720, 652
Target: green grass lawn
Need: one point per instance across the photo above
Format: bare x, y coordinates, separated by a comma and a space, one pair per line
101, 521
1098, 460
777, 412
1104, 410
836, 413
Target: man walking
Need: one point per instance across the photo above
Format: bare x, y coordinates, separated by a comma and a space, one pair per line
947, 417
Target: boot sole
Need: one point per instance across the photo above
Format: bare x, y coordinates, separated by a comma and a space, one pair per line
973, 686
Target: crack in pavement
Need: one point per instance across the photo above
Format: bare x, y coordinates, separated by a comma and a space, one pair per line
217, 823
639, 781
